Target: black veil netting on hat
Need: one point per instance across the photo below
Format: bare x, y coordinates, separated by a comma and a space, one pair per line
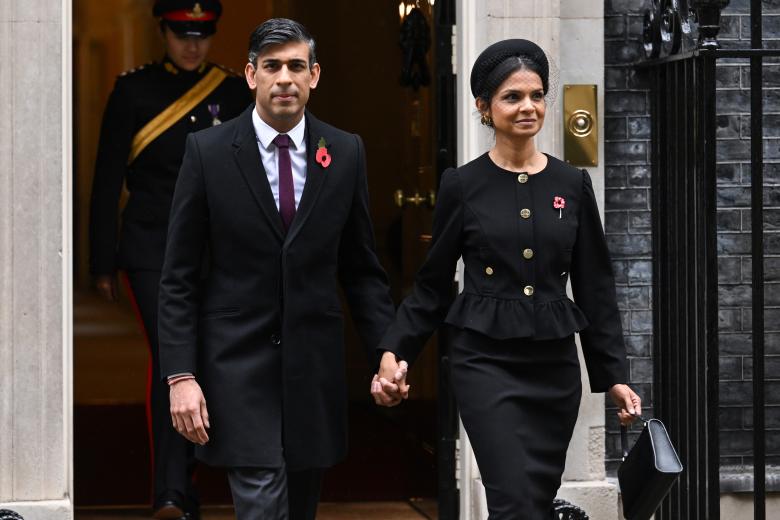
490, 70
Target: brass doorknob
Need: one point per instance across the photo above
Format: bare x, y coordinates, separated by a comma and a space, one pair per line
416, 200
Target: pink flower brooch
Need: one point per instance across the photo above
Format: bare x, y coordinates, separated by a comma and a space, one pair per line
559, 203
323, 157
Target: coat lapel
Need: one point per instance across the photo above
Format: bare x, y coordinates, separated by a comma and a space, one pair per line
251, 166
315, 175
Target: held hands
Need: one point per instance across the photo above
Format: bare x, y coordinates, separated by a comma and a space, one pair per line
188, 411
628, 401
389, 386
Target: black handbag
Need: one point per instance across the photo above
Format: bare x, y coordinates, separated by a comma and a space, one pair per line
648, 470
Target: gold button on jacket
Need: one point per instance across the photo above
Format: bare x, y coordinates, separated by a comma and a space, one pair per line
528, 290
528, 253
525, 213
522, 178
489, 271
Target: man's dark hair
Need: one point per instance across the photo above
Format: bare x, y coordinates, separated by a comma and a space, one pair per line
276, 31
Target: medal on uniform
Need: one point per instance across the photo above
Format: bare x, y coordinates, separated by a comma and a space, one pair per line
214, 111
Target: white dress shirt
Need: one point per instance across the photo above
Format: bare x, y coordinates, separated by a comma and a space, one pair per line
270, 155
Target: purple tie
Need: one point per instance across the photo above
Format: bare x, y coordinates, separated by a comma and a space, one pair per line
286, 187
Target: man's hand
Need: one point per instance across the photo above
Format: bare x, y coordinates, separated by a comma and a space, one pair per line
628, 401
106, 286
188, 411
389, 386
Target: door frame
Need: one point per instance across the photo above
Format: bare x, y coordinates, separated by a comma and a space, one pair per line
447, 146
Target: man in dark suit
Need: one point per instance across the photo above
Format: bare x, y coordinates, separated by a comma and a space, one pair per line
278, 203
148, 116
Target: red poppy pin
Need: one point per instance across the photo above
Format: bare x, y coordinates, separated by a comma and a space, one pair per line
559, 203
323, 157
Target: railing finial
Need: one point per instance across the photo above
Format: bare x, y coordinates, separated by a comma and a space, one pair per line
708, 16
670, 26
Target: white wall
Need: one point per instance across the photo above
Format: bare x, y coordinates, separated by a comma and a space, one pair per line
35, 296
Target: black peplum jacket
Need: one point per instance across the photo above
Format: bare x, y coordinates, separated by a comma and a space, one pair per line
521, 238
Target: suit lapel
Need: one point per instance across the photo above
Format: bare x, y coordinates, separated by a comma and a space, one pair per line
315, 175
251, 166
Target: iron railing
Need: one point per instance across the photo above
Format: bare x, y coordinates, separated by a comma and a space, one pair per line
682, 50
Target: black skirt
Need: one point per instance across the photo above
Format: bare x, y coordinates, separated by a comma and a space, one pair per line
518, 401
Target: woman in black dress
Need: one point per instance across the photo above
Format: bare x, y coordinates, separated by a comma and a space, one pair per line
524, 223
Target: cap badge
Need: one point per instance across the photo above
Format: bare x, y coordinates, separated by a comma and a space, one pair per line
197, 12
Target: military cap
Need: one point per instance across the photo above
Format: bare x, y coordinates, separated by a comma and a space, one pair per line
491, 57
188, 17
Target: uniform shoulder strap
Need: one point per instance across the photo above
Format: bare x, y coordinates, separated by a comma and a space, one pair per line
175, 111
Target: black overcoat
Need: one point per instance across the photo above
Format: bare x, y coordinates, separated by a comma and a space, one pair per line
522, 237
263, 332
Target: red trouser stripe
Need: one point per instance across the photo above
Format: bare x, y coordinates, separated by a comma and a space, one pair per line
149, 431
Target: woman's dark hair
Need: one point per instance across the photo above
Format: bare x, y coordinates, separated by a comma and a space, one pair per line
505, 69
276, 31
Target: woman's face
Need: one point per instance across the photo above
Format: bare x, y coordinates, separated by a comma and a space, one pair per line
518, 105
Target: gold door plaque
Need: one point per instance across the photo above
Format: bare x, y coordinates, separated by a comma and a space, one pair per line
580, 125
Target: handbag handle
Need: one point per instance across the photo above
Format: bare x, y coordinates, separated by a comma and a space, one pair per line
624, 437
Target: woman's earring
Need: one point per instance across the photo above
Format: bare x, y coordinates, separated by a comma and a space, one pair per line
486, 120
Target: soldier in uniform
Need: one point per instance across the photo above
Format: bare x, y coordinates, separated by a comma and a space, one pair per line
149, 114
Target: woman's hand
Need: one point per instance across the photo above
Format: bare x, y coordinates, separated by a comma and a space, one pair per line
389, 386
628, 401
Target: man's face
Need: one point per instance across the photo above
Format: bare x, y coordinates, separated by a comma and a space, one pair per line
282, 80
186, 52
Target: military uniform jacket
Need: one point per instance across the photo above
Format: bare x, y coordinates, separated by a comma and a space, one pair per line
519, 251
138, 97
264, 331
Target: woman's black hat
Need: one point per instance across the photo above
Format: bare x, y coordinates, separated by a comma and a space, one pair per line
498, 52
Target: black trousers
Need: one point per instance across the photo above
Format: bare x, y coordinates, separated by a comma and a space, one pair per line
173, 458
518, 400
275, 493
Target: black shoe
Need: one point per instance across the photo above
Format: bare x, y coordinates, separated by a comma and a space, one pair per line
168, 510
169, 506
